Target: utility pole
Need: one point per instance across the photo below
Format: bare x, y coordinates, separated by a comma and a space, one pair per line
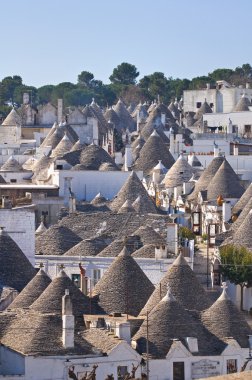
147, 344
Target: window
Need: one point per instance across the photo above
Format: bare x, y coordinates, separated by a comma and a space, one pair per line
76, 279
121, 372
247, 130
231, 365
198, 104
13, 180
178, 371
211, 105
59, 167
96, 276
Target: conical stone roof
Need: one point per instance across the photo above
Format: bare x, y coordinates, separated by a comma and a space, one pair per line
194, 161
54, 137
148, 235
131, 189
11, 165
16, 271
151, 153
124, 288
243, 201
223, 319
225, 183
98, 199
32, 291
112, 117
87, 247
184, 286
126, 120
50, 301
168, 321
174, 110
205, 108
206, 177
63, 147
242, 105
92, 157
126, 207
12, 119
77, 146
179, 173
56, 240
242, 235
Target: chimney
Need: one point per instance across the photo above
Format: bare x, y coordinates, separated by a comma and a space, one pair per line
208, 86
172, 237
226, 211
236, 150
67, 321
60, 110
247, 85
26, 98
6, 202
128, 157
122, 330
163, 118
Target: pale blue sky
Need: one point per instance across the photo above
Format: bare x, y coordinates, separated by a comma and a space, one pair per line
52, 41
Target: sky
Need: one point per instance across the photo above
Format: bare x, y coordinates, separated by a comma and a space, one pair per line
52, 41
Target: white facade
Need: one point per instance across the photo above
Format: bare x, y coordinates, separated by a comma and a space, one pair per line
19, 223
222, 99
86, 184
238, 120
18, 366
153, 268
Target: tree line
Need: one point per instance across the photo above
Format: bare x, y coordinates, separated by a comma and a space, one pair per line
124, 83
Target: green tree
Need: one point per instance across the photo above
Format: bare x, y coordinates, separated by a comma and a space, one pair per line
20, 90
125, 73
156, 85
221, 74
78, 97
8, 87
45, 93
60, 91
85, 78
198, 83
236, 266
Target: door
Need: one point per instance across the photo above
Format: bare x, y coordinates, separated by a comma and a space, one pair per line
178, 371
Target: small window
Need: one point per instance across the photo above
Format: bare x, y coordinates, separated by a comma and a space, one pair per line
76, 279
121, 372
13, 180
198, 104
231, 365
211, 105
59, 167
96, 276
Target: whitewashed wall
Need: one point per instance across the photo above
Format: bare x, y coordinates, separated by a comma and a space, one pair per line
20, 224
86, 184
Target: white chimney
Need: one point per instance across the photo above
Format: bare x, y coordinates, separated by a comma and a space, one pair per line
67, 321
128, 157
208, 86
60, 110
216, 150
160, 252
67, 190
236, 150
122, 330
26, 98
163, 118
172, 237
226, 211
